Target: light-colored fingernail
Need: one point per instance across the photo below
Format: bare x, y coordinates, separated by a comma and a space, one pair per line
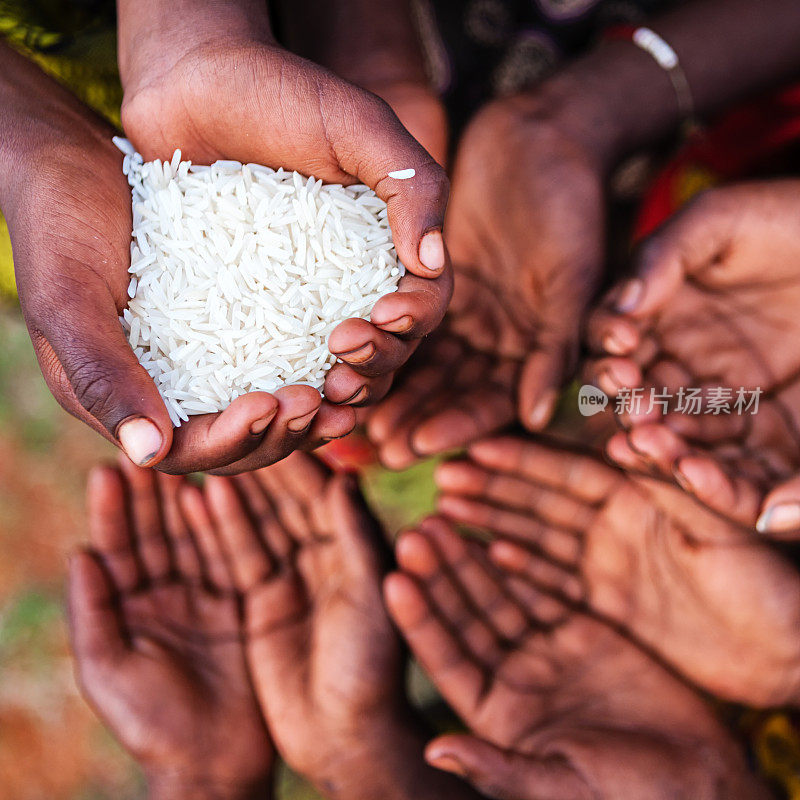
682, 479
629, 296
358, 356
431, 251
617, 343
779, 518
399, 325
447, 763
140, 439
301, 423
543, 410
260, 425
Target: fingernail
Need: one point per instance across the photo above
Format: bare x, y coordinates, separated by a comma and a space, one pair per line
260, 425
400, 325
779, 518
358, 396
682, 479
431, 251
630, 295
448, 763
543, 410
140, 439
616, 344
301, 423
359, 355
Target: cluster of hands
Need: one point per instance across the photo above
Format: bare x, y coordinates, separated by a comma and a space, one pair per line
215, 627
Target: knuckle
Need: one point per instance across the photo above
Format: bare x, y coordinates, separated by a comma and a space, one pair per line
94, 389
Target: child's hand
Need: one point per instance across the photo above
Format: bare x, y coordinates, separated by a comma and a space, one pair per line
307, 557
713, 306
157, 642
559, 705
641, 553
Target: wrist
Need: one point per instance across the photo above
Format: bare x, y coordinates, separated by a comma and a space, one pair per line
611, 102
389, 764
153, 35
176, 786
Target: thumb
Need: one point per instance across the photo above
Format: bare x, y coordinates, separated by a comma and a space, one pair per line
543, 373
94, 623
504, 774
93, 372
688, 242
380, 152
780, 514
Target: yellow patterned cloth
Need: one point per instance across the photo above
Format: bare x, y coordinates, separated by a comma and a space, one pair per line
74, 41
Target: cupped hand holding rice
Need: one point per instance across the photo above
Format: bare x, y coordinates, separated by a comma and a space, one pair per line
240, 273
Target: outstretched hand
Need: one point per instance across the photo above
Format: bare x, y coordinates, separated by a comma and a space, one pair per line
157, 640
216, 85
307, 557
713, 307
641, 553
560, 706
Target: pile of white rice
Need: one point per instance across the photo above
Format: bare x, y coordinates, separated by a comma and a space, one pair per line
240, 273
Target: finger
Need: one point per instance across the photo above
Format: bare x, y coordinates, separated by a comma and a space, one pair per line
459, 679
238, 537
427, 372
416, 308
731, 496
615, 373
609, 332
147, 522
467, 416
298, 407
541, 573
420, 556
343, 385
505, 774
659, 446
780, 516
368, 350
557, 544
330, 422
215, 570
478, 581
279, 545
179, 539
109, 528
583, 476
208, 441
543, 609
539, 386
96, 631
359, 536
416, 205
491, 495
102, 383
693, 238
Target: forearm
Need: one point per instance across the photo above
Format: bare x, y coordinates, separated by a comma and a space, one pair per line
36, 115
727, 49
161, 31
366, 42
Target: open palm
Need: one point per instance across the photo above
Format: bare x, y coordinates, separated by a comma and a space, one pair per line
643, 554
158, 644
560, 706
